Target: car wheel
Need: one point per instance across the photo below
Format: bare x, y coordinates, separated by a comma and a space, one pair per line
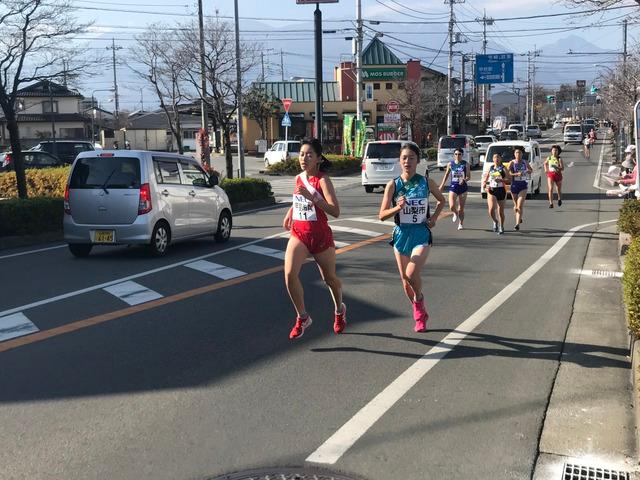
160, 238
266, 163
224, 227
368, 188
537, 190
80, 250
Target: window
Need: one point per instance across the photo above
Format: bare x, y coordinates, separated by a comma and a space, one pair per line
189, 134
166, 172
46, 106
388, 86
293, 147
106, 172
194, 175
376, 86
280, 147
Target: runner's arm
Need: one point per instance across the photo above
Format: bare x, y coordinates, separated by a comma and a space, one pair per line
444, 178
286, 223
560, 164
529, 168
330, 203
467, 173
435, 191
485, 178
386, 210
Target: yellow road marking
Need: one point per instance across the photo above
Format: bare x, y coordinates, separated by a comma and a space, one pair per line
106, 317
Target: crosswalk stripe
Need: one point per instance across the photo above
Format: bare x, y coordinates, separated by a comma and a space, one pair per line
357, 231
283, 187
215, 269
341, 244
16, 325
270, 252
132, 293
367, 220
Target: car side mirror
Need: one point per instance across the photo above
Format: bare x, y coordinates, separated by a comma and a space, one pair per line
213, 180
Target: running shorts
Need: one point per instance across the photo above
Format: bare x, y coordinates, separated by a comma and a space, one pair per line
458, 188
406, 238
500, 193
316, 241
555, 176
517, 187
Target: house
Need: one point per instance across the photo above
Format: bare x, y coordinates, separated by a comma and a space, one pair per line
150, 131
45, 107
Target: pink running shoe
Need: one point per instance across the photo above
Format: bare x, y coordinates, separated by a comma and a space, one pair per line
298, 329
340, 320
420, 315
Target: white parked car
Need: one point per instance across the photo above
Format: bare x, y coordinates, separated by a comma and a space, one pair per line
281, 151
531, 154
519, 127
381, 163
448, 144
482, 142
573, 133
557, 124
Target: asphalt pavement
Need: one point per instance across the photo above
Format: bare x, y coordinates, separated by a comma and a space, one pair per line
200, 378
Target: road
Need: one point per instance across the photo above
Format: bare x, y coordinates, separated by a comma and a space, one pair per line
200, 379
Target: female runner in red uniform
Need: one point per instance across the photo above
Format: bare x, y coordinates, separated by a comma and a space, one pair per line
313, 197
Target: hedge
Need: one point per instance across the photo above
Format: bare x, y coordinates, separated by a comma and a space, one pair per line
30, 216
340, 165
246, 189
49, 182
431, 154
631, 285
629, 217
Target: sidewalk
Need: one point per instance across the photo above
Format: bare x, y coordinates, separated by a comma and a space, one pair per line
590, 419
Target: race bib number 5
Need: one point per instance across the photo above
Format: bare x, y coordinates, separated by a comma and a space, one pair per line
414, 211
303, 209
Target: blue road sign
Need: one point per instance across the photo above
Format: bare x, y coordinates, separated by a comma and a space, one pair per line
286, 120
494, 68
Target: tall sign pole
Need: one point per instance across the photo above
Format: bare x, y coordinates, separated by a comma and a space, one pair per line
359, 59
204, 121
636, 132
317, 17
239, 93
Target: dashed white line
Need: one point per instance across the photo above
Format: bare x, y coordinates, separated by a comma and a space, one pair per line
269, 252
132, 293
215, 269
28, 252
357, 231
16, 325
341, 441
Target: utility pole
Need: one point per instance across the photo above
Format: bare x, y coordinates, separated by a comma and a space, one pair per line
452, 21
317, 18
262, 63
116, 113
624, 48
359, 59
462, 93
204, 117
485, 21
533, 94
239, 92
282, 64
64, 72
529, 101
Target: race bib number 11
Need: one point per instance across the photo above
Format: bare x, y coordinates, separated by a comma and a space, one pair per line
303, 209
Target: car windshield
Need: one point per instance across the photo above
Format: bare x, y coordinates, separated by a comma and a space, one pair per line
573, 128
506, 151
532, 127
510, 135
293, 147
453, 142
516, 127
484, 139
383, 150
106, 172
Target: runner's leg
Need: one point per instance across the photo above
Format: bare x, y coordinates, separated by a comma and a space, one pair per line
491, 204
326, 261
550, 190
452, 204
522, 196
501, 213
402, 262
294, 257
462, 200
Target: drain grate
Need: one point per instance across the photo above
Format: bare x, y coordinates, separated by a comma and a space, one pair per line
604, 274
301, 473
582, 472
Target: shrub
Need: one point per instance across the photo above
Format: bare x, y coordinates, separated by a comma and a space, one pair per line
431, 154
629, 218
631, 285
246, 189
30, 216
47, 182
340, 164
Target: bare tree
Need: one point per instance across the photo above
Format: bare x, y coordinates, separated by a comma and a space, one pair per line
413, 106
34, 38
163, 61
435, 105
620, 91
220, 73
260, 106
599, 3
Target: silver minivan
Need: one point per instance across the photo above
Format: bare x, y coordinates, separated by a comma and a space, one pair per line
381, 163
447, 144
116, 197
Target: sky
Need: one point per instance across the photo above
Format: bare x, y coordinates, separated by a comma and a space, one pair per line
277, 25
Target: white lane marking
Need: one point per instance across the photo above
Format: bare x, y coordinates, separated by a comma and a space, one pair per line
269, 252
341, 441
367, 220
28, 252
133, 277
596, 180
597, 273
16, 325
341, 244
215, 269
132, 293
357, 231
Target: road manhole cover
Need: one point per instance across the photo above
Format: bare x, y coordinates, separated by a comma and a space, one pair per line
582, 472
287, 473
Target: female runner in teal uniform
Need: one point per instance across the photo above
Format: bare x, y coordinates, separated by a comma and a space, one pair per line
407, 200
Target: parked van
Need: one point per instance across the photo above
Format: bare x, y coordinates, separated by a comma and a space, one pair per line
447, 145
573, 133
531, 154
520, 128
381, 163
116, 197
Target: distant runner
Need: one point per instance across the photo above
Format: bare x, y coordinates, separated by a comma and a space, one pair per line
406, 198
458, 173
553, 166
493, 183
520, 171
313, 197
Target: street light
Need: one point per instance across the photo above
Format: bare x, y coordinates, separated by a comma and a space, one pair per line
93, 92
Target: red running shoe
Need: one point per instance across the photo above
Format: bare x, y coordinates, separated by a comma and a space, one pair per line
420, 315
298, 329
341, 320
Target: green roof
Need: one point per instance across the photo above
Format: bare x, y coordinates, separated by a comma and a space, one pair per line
302, 91
377, 53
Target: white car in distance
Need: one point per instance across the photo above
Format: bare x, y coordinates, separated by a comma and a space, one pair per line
281, 151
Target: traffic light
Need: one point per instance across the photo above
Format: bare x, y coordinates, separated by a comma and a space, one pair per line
551, 99
594, 89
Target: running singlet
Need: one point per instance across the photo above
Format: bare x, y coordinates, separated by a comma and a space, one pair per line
496, 176
304, 211
553, 163
516, 167
458, 172
416, 192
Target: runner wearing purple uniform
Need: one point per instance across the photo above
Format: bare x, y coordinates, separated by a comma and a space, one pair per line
520, 171
458, 173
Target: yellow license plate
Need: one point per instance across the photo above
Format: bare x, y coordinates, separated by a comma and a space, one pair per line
104, 236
